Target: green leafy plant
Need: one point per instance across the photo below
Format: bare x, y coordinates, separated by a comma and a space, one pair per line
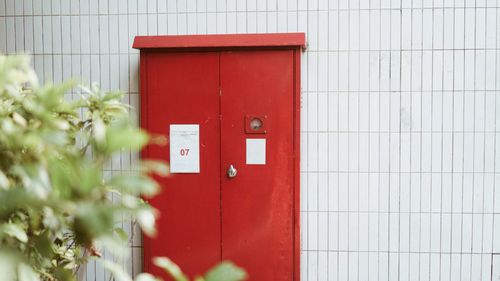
57, 207
226, 271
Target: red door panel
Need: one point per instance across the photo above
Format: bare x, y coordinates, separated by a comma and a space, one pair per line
257, 204
183, 88
208, 217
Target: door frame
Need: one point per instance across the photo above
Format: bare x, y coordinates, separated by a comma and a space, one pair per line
230, 42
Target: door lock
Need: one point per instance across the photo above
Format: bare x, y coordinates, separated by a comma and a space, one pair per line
231, 171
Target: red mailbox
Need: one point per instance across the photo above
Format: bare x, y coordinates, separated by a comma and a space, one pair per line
230, 105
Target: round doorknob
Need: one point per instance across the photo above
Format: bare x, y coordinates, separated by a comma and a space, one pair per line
231, 172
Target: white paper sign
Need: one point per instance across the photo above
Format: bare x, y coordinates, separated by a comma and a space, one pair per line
184, 148
256, 151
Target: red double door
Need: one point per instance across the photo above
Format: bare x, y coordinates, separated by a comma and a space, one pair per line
208, 217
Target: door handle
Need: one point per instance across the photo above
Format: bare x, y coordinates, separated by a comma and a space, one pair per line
231, 171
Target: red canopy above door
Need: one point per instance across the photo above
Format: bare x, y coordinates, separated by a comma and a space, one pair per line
220, 41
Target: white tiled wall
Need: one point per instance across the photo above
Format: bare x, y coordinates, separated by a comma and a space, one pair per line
400, 146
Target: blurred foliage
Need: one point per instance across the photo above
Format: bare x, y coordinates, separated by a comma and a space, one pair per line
57, 208
225, 271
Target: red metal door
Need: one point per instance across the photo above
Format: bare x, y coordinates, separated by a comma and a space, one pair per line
257, 204
183, 88
207, 217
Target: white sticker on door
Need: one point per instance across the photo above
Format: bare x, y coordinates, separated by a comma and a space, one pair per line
256, 151
184, 148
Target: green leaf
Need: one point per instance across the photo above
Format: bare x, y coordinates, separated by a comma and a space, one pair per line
121, 135
8, 261
93, 221
63, 274
134, 184
113, 95
91, 177
4, 181
15, 230
62, 173
26, 273
16, 198
226, 271
122, 234
171, 268
145, 277
125, 138
43, 244
158, 167
99, 131
146, 220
